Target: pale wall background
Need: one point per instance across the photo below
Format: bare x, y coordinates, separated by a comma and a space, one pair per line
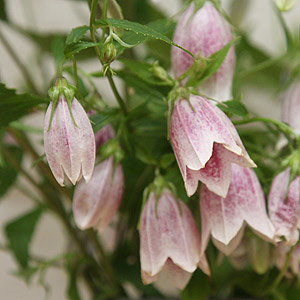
62, 15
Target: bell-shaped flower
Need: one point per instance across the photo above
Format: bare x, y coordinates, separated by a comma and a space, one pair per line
169, 240
203, 33
205, 144
68, 138
291, 107
96, 202
284, 206
225, 218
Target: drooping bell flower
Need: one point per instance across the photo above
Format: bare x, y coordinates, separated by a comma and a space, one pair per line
169, 240
291, 107
205, 144
284, 206
203, 33
68, 136
96, 202
225, 218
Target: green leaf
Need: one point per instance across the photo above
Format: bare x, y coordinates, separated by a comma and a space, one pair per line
166, 160
13, 106
77, 34
99, 120
139, 29
235, 107
73, 292
8, 173
3, 14
19, 233
75, 48
213, 63
142, 70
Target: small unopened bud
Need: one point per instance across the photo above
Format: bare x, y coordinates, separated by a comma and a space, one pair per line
285, 5
161, 73
109, 53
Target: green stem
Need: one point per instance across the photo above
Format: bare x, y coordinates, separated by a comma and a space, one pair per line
18, 62
116, 93
261, 66
284, 128
284, 269
287, 34
98, 52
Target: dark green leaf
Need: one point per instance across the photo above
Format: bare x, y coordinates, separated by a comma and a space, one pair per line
75, 48
235, 107
77, 34
3, 14
99, 120
13, 106
213, 63
19, 233
140, 29
8, 173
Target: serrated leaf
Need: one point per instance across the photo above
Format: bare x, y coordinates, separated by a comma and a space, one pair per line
77, 34
75, 48
213, 63
143, 71
140, 29
235, 107
13, 105
19, 234
8, 173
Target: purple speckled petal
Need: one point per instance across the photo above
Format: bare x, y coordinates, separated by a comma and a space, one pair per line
204, 33
169, 234
103, 135
224, 217
86, 140
180, 233
51, 149
152, 254
284, 206
205, 143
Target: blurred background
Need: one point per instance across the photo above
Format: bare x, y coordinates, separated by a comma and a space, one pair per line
44, 18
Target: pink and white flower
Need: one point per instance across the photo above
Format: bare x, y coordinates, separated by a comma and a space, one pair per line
205, 144
95, 203
284, 206
169, 240
225, 218
69, 143
204, 32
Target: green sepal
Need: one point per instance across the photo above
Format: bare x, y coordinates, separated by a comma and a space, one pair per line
61, 89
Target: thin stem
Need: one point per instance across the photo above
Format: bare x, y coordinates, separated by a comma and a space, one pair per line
75, 72
98, 52
18, 62
284, 128
116, 93
284, 269
103, 258
28, 194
